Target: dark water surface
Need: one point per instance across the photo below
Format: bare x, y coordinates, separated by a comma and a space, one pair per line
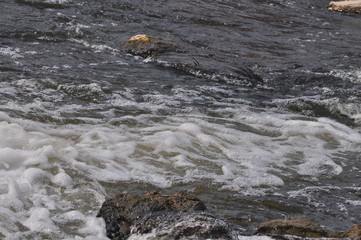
262, 120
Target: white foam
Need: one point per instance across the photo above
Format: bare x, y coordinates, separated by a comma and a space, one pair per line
235, 158
40, 221
96, 47
182, 161
353, 75
354, 202
62, 179
53, 170
58, 1
254, 238
33, 170
94, 227
16, 195
14, 53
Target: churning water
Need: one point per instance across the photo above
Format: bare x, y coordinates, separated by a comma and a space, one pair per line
81, 120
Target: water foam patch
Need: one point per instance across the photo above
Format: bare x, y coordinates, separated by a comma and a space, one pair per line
37, 184
14, 53
353, 75
61, 168
246, 151
40, 220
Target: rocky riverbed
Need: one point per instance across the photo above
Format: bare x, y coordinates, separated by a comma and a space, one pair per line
181, 216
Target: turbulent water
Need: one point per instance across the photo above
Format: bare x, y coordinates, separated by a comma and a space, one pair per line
81, 120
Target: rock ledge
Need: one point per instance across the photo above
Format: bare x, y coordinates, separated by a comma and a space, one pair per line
352, 6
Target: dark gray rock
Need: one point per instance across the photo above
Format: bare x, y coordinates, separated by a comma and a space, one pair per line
177, 216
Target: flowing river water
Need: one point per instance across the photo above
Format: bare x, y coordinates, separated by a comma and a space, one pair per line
81, 120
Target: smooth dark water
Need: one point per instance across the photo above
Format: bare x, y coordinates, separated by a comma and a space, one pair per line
265, 125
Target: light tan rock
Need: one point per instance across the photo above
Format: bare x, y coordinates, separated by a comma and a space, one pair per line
355, 232
353, 6
146, 46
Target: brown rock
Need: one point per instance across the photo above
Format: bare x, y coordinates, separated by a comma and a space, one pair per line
296, 226
353, 6
146, 46
355, 232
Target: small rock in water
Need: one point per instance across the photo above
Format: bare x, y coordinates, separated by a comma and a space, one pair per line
177, 216
354, 232
353, 6
304, 228
146, 46
297, 226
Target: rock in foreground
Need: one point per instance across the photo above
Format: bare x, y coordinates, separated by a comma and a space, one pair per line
353, 6
304, 228
181, 216
297, 226
177, 216
354, 232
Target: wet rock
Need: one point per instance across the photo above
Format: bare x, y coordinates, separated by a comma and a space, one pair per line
304, 228
146, 46
353, 6
177, 216
354, 232
296, 226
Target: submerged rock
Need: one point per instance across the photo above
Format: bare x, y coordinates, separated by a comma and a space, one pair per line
353, 6
192, 61
177, 216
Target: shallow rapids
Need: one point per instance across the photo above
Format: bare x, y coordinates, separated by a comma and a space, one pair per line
81, 120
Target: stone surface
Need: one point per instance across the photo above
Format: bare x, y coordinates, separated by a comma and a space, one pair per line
354, 232
146, 46
297, 226
181, 216
353, 6
304, 228
177, 216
